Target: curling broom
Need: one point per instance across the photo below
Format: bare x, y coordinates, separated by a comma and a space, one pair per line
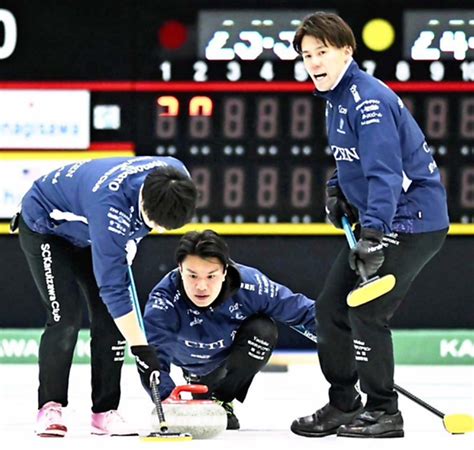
370, 288
163, 434
453, 423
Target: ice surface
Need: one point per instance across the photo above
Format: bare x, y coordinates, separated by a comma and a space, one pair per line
275, 399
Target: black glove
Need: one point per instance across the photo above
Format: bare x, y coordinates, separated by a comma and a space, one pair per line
337, 206
369, 250
148, 364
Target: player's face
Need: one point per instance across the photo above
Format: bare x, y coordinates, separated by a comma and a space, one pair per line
202, 279
323, 62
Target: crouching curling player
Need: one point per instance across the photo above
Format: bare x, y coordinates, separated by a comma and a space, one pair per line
215, 319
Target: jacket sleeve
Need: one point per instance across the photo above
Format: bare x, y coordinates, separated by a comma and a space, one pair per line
109, 223
333, 181
381, 161
283, 305
161, 327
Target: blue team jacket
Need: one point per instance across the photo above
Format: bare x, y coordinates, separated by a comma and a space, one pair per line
95, 203
384, 165
199, 339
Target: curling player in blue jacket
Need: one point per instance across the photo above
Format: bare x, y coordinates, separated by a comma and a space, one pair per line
215, 319
386, 180
78, 229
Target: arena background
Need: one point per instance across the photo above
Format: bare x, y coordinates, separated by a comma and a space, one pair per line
141, 67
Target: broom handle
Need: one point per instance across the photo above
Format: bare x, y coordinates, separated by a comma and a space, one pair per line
352, 243
134, 297
155, 393
348, 232
419, 401
158, 405
414, 398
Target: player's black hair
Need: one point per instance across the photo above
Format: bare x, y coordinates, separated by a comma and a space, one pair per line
169, 197
329, 28
205, 244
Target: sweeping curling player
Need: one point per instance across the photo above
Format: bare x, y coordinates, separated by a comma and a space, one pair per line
163, 434
369, 289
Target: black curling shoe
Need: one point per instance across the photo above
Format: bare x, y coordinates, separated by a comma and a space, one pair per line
324, 421
374, 424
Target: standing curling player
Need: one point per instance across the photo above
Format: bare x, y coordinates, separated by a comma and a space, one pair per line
386, 176
78, 225
215, 319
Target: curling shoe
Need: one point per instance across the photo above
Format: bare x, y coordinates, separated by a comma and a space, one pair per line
49, 421
324, 421
374, 424
111, 423
232, 420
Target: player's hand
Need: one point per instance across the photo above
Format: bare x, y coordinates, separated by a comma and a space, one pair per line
337, 206
369, 250
148, 364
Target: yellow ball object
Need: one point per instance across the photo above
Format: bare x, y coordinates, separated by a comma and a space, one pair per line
378, 34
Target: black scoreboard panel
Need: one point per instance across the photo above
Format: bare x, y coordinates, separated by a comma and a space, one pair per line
244, 40
263, 157
50, 40
236, 40
218, 85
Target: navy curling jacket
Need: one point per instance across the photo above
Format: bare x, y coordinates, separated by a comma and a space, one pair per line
384, 165
199, 339
95, 203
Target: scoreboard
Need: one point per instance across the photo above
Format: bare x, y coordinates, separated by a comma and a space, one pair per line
219, 86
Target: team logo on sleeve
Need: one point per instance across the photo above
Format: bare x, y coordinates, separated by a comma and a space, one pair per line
370, 112
119, 221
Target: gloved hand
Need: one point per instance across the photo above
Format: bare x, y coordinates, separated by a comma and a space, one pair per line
337, 206
148, 364
369, 249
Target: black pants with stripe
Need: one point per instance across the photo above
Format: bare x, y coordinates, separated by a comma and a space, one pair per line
253, 345
64, 277
356, 343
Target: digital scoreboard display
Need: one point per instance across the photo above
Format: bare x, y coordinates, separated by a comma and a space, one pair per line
220, 87
263, 156
439, 35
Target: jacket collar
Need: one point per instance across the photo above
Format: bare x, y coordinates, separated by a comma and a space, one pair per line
340, 86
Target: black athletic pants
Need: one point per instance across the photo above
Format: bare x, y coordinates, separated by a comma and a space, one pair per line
356, 343
63, 275
251, 350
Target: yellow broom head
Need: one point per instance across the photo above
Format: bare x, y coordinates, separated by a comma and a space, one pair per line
166, 437
458, 423
370, 290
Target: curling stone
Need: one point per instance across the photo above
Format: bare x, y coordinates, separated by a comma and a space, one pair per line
203, 419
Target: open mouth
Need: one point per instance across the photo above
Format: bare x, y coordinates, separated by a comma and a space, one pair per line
319, 76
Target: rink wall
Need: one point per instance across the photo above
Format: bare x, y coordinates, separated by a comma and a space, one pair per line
442, 296
425, 347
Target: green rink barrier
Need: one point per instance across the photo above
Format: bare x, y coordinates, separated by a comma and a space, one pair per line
18, 346
443, 347
416, 347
